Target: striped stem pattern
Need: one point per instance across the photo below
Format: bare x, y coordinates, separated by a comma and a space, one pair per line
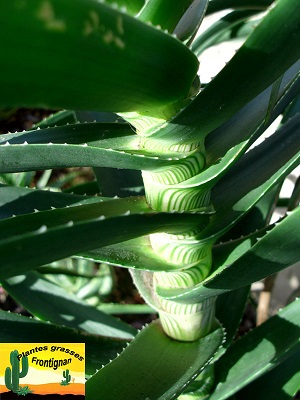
165, 192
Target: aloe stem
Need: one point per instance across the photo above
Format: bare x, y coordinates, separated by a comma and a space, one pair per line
165, 192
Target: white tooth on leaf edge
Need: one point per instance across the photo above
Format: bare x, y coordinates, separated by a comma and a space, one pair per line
42, 229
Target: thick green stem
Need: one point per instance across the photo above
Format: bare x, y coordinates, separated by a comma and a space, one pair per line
186, 322
165, 192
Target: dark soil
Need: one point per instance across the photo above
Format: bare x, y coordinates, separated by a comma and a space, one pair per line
22, 118
32, 396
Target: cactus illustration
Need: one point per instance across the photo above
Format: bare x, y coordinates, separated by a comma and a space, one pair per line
67, 377
23, 391
13, 374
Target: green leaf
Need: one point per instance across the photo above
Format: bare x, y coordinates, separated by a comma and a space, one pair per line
276, 250
57, 119
79, 145
191, 21
132, 7
63, 271
257, 218
115, 308
88, 188
258, 352
220, 30
229, 311
99, 224
97, 116
22, 179
281, 383
253, 175
50, 302
99, 350
17, 200
157, 372
85, 55
295, 197
136, 253
266, 55
292, 110
119, 182
227, 144
165, 13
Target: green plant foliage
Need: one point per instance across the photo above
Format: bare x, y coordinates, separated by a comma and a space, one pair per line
167, 183
258, 352
92, 28
28, 288
282, 382
246, 269
153, 376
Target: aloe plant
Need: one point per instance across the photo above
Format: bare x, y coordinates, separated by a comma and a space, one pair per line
125, 75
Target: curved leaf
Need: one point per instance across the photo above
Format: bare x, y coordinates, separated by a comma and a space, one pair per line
94, 57
17, 200
90, 144
258, 352
266, 55
57, 119
230, 308
155, 371
225, 145
164, 13
136, 253
276, 250
281, 383
220, 29
116, 308
253, 175
50, 302
99, 350
254, 222
132, 7
191, 20
99, 224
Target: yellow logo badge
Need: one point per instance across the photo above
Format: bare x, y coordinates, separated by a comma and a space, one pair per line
38, 370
